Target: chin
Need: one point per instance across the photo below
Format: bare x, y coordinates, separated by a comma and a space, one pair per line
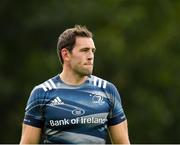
84, 71
87, 73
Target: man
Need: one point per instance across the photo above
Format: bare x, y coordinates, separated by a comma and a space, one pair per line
75, 106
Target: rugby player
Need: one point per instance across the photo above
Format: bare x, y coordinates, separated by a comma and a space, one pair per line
74, 106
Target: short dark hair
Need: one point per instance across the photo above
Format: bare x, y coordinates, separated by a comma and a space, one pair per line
68, 37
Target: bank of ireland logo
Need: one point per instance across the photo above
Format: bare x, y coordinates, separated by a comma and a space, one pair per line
78, 112
97, 99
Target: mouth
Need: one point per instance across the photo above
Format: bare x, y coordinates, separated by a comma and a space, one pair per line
88, 64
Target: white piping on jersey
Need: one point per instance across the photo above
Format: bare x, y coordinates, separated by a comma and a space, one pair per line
47, 85
71, 107
59, 107
42, 86
97, 115
104, 84
51, 132
28, 109
95, 80
35, 101
52, 83
78, 137
123, 117
99, 82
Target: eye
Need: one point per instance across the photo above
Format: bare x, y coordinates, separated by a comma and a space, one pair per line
84, 49
93, 50
88, 50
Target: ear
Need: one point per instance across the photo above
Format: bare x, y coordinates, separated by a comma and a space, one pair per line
65, 54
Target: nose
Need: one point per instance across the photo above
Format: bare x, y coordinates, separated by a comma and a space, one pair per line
90, 55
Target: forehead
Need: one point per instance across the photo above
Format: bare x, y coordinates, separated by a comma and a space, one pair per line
82, 42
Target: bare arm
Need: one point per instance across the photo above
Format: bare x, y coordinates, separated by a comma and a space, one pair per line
30, 134
119, 133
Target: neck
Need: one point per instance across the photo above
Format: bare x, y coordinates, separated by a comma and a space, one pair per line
71, 78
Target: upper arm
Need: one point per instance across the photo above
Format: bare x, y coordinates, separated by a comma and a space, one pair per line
33, 119
117, 122
30, 134
116, 114
119, 133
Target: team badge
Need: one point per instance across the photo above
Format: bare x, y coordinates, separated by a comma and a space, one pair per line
97, 99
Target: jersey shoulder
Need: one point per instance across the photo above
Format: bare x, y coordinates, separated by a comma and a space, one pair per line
47, 85
101, 83
41, 90
40, 93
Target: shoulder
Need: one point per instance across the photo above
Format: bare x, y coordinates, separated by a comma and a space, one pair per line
41, 89
47, 85
101, 83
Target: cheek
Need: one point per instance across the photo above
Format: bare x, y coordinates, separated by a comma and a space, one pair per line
79, 59
76, 61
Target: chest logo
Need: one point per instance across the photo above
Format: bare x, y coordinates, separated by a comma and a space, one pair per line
56, 101
97, 99
78, 112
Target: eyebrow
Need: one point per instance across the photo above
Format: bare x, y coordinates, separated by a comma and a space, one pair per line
86, 48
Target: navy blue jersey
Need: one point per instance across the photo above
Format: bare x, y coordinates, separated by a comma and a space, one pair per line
74, 114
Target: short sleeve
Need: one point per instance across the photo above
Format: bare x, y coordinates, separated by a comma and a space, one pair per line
34, 108
116, 114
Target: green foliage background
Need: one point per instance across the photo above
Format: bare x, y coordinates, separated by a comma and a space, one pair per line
137, 49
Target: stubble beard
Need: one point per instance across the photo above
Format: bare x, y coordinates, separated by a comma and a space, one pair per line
84, 72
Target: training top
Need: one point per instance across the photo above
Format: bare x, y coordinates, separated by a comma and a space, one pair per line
71, 114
